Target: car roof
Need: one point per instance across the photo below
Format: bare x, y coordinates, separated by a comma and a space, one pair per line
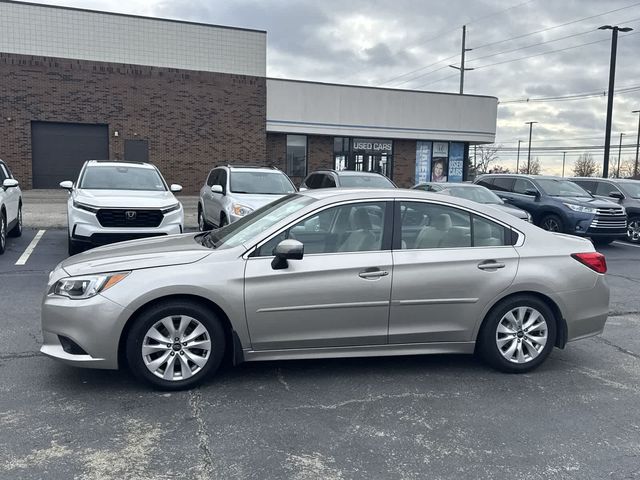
347, 173
119, 163
524, 175
613, 180
253, 169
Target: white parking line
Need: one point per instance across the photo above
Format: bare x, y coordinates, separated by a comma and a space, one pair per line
32, 246
626, 244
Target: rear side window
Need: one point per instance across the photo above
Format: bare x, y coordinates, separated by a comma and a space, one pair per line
489, 234
328, 182
503, 184
314, 180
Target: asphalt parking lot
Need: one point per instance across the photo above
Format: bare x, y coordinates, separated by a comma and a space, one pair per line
406, 417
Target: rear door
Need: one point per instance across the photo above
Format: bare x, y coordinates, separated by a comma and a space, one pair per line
448, 265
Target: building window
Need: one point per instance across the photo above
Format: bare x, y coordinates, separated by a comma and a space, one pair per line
296, 155
341, 153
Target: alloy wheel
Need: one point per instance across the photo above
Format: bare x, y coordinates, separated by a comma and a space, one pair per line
633, 230
200, 221
176, 347
3, 233
521, 334
551, 225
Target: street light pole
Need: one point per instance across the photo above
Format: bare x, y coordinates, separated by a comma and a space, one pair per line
612, 76
563, 156
635, 168
529, 154
518, 158
619, 155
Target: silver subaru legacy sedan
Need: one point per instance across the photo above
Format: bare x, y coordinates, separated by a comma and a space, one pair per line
328, 273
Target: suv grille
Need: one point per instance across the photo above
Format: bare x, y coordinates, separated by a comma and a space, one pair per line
120, 217
612, 217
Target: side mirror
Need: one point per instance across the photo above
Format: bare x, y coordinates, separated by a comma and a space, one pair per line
616, 194
175, 188
67, 184
286, 250
217, 189
10, 183
532, 192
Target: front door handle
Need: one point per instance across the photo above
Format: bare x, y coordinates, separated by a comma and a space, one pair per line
369, 274
490, 265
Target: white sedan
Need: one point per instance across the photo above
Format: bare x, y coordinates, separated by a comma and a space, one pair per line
114, 201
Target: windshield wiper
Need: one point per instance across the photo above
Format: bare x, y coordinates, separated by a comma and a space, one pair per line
208, 240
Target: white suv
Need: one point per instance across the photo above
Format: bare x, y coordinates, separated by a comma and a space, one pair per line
230, 193
114, 201
10, 206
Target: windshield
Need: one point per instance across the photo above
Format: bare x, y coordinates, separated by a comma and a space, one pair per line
112, 177
255, 223
365, 181
561, 188
477, 194
631, 188
266, 183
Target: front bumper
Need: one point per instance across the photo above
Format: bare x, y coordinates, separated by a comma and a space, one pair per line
94, 325
582, 224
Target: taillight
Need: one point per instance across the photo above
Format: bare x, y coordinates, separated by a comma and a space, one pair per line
594, 260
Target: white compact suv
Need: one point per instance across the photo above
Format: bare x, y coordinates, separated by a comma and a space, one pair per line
230, 193
113, 201
10, 206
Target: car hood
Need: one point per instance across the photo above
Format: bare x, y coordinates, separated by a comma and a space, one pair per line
136, 254
587, 202
125, 198
516, 212
255, 201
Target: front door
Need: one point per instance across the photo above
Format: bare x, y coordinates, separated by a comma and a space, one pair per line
337, 295
448, 265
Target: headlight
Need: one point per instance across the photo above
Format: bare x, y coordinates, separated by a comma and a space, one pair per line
580, 208
84, 206
171, 208
80, 288
241, 210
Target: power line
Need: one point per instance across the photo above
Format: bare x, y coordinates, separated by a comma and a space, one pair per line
497, 13
576, 96
417, 70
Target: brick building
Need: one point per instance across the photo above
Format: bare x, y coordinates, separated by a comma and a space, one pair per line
78, 84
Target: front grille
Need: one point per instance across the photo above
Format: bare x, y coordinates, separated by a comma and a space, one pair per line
107, 238
120, 217
610, 218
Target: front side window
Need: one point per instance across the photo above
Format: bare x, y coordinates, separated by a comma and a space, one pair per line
266, 183
561, 188
121, 177
521, 185
357, 227
605, 188
212, 178
3, 173
296, 155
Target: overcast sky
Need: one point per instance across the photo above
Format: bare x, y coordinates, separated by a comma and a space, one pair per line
373, 42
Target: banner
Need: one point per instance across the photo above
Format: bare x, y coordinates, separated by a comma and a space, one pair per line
423, 162
456, 162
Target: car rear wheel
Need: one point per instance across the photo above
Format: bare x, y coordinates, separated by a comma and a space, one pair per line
518, 334
633, 230
174, 345
552, 223
3, 233
16, 231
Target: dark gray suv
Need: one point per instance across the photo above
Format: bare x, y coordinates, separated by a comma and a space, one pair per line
559, 205
625, 192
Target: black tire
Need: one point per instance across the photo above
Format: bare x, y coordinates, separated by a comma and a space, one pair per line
602, 241
16, 231
633, 230
3, 233
487, 343
176, 308
203, 225
551, 223
223, 220
73, 247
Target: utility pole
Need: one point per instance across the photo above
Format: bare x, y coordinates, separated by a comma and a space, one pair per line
612, 77
462, 55
529, 154
563, 157
518, 158
619, 157
635, 168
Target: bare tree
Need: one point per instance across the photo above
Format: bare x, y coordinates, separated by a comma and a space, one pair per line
499, 169
484, 156
533, 168
626, 167
585, 166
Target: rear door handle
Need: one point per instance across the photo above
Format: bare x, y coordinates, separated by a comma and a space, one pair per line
490, 265
368, 274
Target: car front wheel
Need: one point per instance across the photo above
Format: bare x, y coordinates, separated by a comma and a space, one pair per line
16, 231
175, 344
552, 223
73, 247
633, 230
3, 233
518, 334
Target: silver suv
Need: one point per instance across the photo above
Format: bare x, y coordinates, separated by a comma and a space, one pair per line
230, 193
10, 206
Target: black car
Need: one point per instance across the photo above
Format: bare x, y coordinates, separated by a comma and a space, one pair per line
345, 179
624, 191
559, 205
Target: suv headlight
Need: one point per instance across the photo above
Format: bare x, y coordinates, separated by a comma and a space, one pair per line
580, 208
171, 208
241, 210
83, 287
84, 206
